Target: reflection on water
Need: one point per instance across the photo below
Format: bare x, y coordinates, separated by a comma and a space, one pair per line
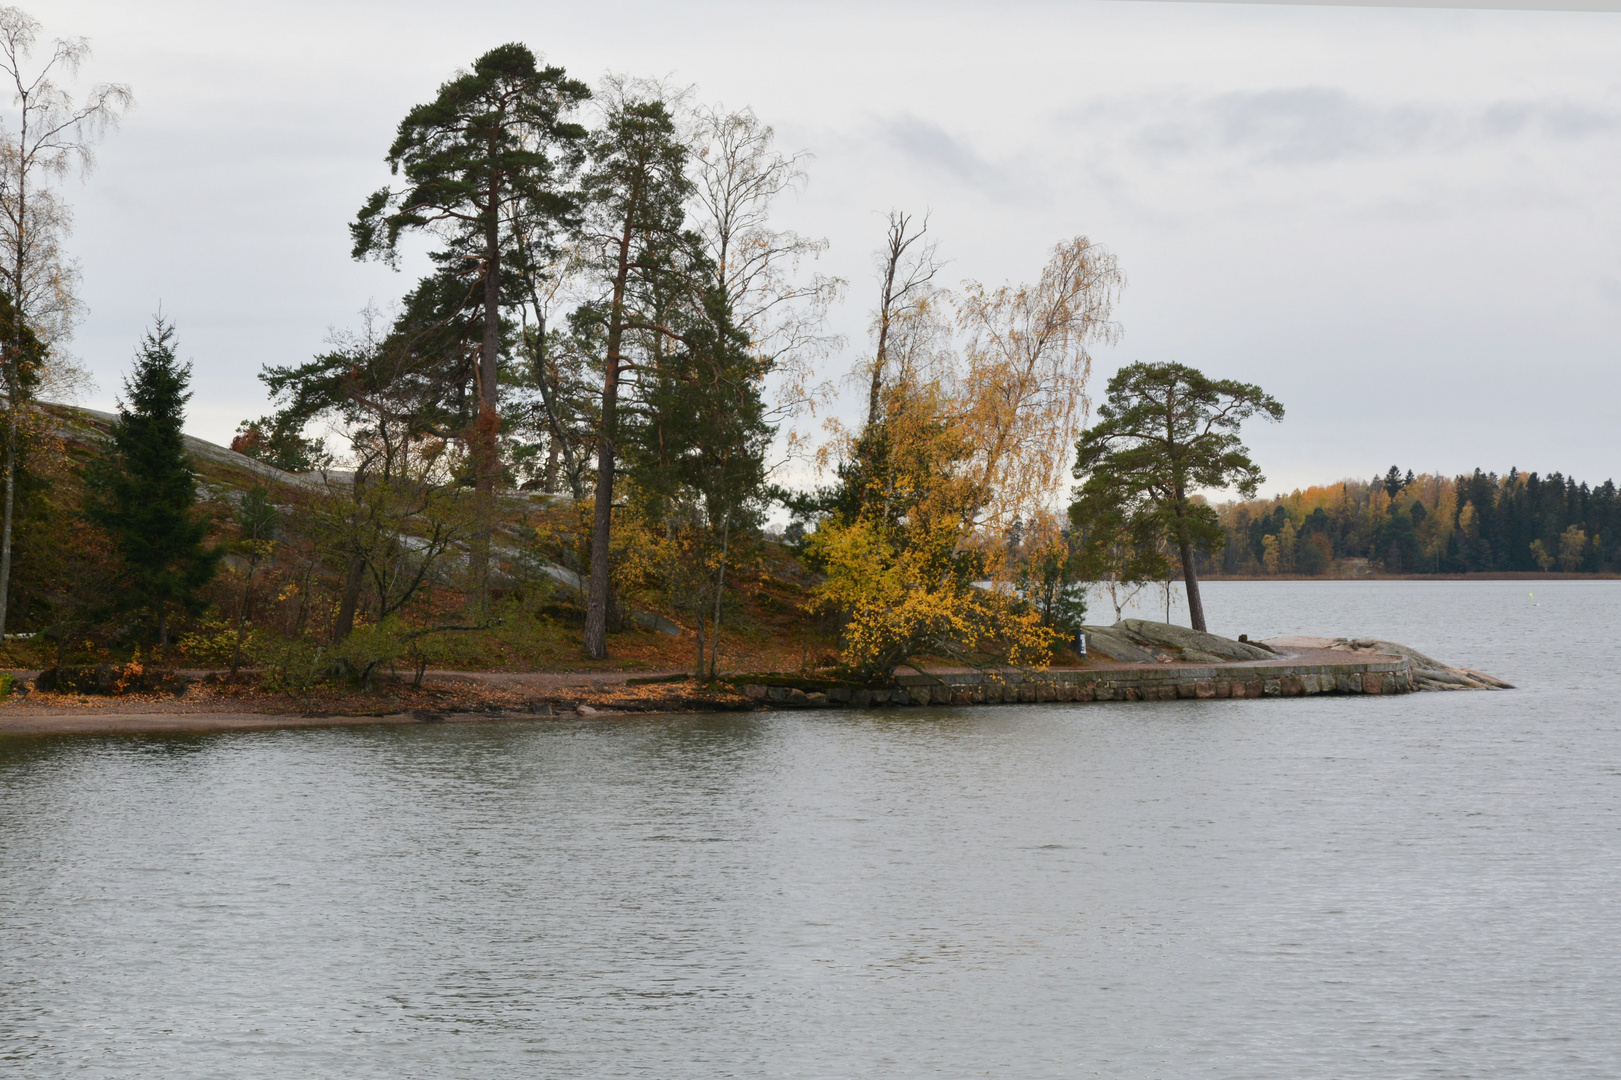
1317, 887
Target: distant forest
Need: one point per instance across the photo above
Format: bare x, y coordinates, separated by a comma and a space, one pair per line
1406, 524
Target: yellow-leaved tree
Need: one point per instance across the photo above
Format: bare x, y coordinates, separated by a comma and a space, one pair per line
940, 538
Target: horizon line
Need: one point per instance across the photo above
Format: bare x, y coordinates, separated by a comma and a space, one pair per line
1602, 6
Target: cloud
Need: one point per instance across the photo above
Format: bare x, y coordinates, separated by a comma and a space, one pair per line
1320, 125
934, 150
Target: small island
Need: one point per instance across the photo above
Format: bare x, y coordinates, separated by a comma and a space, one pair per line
562, 473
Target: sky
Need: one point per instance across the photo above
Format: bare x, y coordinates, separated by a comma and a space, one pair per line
1404, 223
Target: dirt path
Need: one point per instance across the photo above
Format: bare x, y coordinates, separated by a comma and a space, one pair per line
445, 697
126, 722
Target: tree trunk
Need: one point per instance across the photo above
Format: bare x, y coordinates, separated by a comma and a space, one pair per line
5, 528
163, 627
1190, 577
351, 598
242, 620
13, 366
489, 422
877, 372
698, 673
596, 606
720, 586
548, 479
559, 449
1184, 549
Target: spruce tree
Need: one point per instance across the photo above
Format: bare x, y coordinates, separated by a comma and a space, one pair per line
144, 490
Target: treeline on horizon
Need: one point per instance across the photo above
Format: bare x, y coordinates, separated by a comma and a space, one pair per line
1402, 523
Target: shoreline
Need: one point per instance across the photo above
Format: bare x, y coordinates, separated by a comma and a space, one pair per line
449, 697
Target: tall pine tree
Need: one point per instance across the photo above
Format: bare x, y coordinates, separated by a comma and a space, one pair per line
144, 492
490, 157
637, 185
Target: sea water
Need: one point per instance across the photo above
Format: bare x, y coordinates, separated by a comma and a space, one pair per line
1425, 885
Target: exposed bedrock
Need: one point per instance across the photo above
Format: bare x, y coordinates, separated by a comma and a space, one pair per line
1140, 641
1428, 672
1167, 636
1143, 641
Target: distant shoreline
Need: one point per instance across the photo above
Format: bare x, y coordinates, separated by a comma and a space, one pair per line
1505, 575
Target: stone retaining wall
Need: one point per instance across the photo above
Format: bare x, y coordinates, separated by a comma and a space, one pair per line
1165, 683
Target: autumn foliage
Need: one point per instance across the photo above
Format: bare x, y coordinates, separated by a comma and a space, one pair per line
944, 499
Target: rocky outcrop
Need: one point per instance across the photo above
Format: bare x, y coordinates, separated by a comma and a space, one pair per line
1180, 638
1140, 641
1428, 673
1106, 642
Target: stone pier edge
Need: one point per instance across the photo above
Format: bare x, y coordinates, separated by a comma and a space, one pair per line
1170, 683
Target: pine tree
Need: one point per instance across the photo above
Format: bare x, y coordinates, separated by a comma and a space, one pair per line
638, 187
1166, 432
491, 156
144, 492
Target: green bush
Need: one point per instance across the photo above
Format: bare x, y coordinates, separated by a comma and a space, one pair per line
211, 645
371, 647
295, 665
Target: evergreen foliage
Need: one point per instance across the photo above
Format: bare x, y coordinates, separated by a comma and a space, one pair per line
278, 440
637, 186
1054, 580
403, 383
487, 166
23, 353
694, 444
144, 492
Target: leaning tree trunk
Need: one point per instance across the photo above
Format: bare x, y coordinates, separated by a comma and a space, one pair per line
1184, 549
1190, 577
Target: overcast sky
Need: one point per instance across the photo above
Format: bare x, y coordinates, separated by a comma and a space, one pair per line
1405, 224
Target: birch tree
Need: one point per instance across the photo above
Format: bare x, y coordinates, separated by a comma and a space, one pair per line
739, 177
46, 137
973, 402
1025, 370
